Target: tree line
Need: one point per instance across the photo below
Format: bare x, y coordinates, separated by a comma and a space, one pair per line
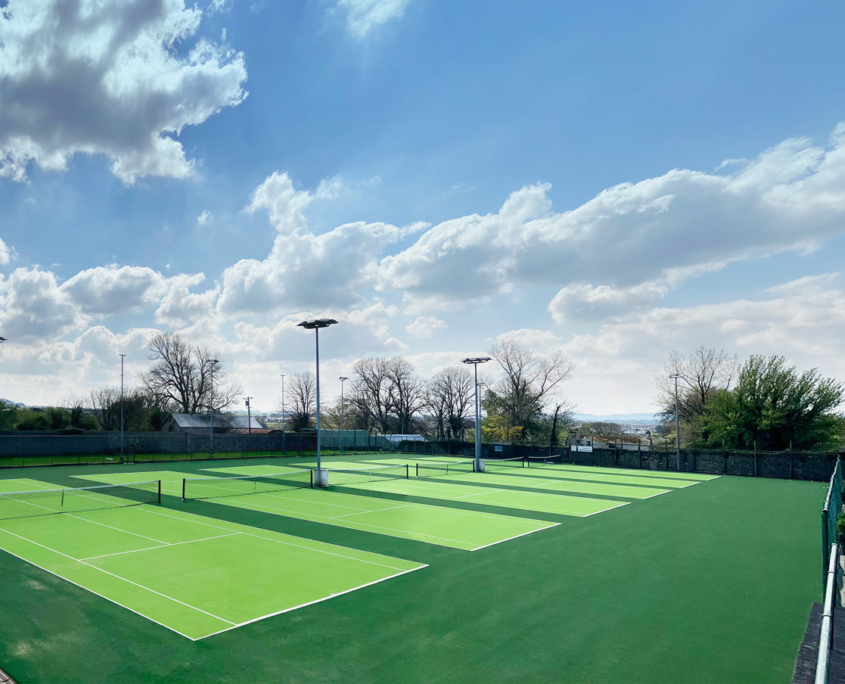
763, 403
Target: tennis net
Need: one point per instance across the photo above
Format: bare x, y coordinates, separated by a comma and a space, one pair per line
239, 485
437, 469
343, 476
77, 499
501, 463
543, 461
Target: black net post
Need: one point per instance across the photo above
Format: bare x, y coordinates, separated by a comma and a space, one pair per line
158, 494
183, 488
417, 466
407, 473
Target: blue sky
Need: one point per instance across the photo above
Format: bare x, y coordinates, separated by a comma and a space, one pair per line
613, 180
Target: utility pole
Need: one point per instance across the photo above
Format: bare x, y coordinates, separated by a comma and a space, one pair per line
284, 451
213, 363
677, 423
122, 356
249, 415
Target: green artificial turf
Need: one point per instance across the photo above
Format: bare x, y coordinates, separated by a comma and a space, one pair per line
710, 583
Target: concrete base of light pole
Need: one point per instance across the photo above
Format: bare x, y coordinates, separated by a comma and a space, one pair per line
321, 478
482, 467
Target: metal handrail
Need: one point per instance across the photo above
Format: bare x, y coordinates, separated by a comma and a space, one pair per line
826, 634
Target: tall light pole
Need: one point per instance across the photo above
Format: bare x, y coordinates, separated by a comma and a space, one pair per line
675, 376
284, 451
213, 363
474, 362
315, 325
122, 356
248, 414
342, 380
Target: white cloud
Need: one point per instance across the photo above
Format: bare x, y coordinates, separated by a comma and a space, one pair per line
205, 218
361, 332
632, 243
365, 15
181, 307
425, 326
109, 290
33, 307
114, 78
5, 253
219, 6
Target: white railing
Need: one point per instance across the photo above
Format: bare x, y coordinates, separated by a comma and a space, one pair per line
830, 602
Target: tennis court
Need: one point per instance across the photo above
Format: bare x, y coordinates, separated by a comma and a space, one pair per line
523, 478
195, 576
285, 495
514, 500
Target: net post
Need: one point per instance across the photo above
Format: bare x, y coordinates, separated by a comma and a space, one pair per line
183, 488
159, 493
417, 466
312, 479
407, 474
62, 505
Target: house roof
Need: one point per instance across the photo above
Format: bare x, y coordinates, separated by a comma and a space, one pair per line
202, 420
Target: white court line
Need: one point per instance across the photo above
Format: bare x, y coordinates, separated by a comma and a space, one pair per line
162, 546
391, 508
278, 541
123, 579
110, 600
516, 536
311, 603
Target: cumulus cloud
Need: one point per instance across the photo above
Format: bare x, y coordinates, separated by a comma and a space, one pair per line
365, 15
33, 307
109, 290
425, 326
632, 243
303, 269
360, 332
180, 306
114, 78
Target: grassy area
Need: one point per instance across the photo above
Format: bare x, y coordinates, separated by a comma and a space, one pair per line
709, 583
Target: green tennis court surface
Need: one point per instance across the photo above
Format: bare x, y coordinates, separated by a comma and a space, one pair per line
450, 527
558, 504
192, 575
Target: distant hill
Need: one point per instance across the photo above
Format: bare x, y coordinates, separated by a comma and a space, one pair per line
649, 418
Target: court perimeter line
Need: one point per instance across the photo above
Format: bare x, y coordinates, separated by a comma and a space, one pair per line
140, 586
110, 600
278, 541
311, 603
516, 536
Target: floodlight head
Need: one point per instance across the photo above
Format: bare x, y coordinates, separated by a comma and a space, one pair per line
2, 339
480, 359
343, 378
213, 361
675, 376
317, 323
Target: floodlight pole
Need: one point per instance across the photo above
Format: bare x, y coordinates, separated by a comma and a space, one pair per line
675, 376
284, 451
315, 325
474, 363
342, 380
122, 356
213, 363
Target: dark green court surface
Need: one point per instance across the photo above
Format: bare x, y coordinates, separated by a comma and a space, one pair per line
708, 583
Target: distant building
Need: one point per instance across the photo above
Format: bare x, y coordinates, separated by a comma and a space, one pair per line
199, 424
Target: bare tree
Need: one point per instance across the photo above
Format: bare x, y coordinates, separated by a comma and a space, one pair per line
450, 397
371, 393
105, 405
701, 373
406, 391
529, 381
180, 379
301, 393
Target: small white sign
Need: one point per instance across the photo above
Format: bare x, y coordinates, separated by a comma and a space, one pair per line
498, 448
588, 449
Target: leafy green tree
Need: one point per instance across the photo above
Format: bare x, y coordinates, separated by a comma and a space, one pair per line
8, 415
775, 407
